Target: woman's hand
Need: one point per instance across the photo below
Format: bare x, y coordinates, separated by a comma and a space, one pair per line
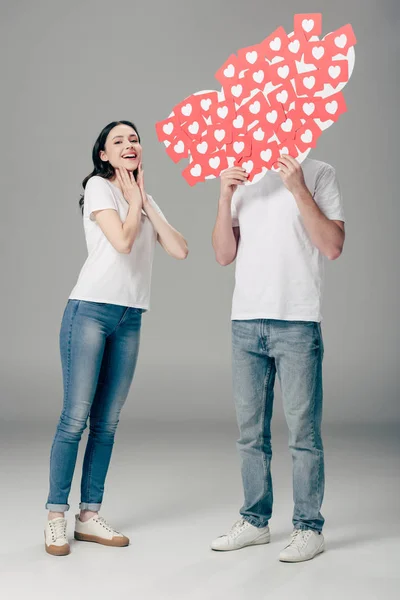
129, 187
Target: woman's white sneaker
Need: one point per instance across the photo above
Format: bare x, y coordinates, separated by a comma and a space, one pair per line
55, 535
241, 534
98, 530
304, 544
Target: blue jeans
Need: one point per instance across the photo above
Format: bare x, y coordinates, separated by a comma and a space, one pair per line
294, 350
99, 345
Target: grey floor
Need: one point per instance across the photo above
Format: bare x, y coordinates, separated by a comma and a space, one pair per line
172, 488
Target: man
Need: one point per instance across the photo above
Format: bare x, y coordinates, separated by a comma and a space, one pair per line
279, 231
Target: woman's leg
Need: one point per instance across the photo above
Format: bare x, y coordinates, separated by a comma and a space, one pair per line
82, 342
115, 378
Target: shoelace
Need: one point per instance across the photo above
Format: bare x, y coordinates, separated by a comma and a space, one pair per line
104, 523
299, 538
58, 529
237, 528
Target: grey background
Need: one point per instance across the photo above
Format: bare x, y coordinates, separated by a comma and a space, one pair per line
68, 68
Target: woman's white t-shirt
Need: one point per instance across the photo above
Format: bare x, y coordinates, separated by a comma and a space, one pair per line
279, 271
108, 275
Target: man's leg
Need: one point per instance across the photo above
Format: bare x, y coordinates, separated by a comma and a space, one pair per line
253, 390
297, 347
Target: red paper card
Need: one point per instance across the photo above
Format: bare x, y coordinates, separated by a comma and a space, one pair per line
261, 135
251, 57
194, 173
221, 133
216, 163
223, 111
275, 44
206, 102
307, 108
332, 107
309, 83
258, 78
341, 40
284, 94
266, 154
255, 109
229, 72
282, 72
275, 115
238, 91
187, 110
337, 72
317, 54
240, 146
195, 128
307, 135
167, 129
287, 129
308, 24
179, 147
206, 145
296, 46
288, 147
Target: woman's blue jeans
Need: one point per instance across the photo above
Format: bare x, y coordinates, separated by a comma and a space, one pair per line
99, 346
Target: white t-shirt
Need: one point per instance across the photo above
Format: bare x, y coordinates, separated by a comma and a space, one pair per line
108, 275
279, 271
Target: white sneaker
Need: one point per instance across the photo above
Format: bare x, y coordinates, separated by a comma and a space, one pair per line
98, 530
240, 535
55, 536
304, 545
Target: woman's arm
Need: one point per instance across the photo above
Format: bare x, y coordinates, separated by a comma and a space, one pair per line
169, 238
120, 235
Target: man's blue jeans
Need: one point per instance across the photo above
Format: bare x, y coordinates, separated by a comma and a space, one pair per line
294, 350
99, 345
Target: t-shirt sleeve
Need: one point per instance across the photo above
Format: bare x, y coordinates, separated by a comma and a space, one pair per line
234, 209
327, 194
98, 196
156, 207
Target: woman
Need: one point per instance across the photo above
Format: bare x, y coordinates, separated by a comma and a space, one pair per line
100, 330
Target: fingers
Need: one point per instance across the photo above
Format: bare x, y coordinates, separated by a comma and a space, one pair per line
237, 173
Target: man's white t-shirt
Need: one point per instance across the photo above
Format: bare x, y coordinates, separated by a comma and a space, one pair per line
279, 272
108, 275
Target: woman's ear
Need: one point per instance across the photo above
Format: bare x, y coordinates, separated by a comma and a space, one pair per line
103, 156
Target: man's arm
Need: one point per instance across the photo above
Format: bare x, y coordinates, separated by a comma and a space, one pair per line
326, 234
225, 238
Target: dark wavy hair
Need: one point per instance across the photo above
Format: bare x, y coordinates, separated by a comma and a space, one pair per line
101, 167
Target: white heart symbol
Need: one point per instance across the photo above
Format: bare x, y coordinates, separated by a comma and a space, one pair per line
179, 147
283, 72
284, 150
186, 110
205, 103
272, 116
168, 128
255, 107
287, 125
307, 25
259, 134
248, 166
222, 111
219, 134
341, 40
307, 136
258, 76
308, 108
251, 57
238, 122
214, 162
238, 147
294, 46
275, 44
309, 82
202, 148
282, 97
318, 52
331, 107
229, 71
236, 90
194, 127
266, 154
196, 171
334, 72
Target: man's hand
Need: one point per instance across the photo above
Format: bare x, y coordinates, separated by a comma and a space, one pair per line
291, 174
230, 179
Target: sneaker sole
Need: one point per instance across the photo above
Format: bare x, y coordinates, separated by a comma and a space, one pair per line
295, 560
116, 542
256, 543
58, 550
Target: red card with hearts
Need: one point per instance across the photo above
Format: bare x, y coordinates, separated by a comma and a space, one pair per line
194, 127
284, 94
296, 46
307, 108
240, 146
274, 116
341, 40
255, 109
223, 111
308, 24
275, 44
229, 72
332, 107
188, 110
167, 129
261, 134
222, 134
337, 72
318, 54
206, 145
193, 173
251, 57
287, 129
258, 78
237, 91
288, 147
216, 163
307, 135
179, 147
309, 83
265, 154
282, 72
206, 101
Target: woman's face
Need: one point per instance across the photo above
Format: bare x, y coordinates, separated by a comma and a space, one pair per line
122, 148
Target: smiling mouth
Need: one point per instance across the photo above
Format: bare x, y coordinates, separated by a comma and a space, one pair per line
130, 156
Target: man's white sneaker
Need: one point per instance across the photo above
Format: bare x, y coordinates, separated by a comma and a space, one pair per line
304, 545
98, 530
55, 536
240, 535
